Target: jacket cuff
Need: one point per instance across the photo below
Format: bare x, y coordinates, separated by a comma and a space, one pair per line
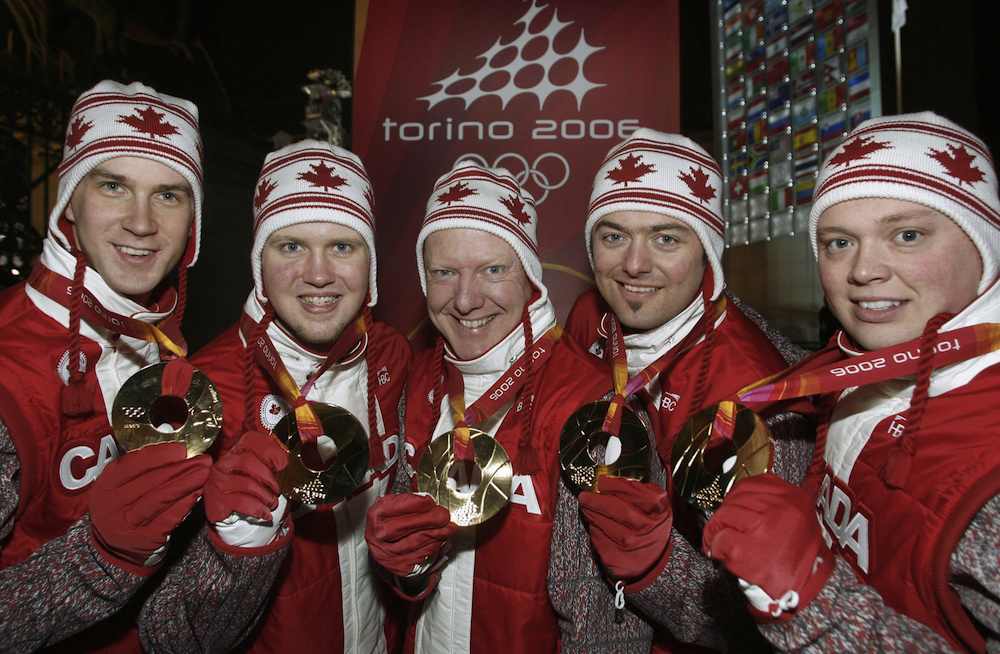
654, 572
110, 557
281, 540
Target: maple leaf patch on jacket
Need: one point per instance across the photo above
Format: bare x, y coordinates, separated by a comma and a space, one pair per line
630, 169
322, 175
697, 182
149, 121
957, 162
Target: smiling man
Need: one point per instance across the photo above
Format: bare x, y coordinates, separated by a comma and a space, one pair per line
654, 234
81, 529
906, 480
306, 332
500, 366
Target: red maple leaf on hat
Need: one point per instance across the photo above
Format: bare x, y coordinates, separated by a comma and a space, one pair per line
322, 175
77, 129
630, 169
697, 182
515, 206
149, 121
263, 192
370, 197
859, 148
456, 192
957, 163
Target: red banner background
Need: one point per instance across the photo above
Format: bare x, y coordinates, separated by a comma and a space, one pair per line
542, 89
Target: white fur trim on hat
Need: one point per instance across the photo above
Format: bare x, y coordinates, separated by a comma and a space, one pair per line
114, 120
667, 174
922, 158
488, 199
310, 182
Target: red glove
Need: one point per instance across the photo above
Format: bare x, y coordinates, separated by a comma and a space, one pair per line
142, 496
406, 531
245, 479
629, 524
767, 533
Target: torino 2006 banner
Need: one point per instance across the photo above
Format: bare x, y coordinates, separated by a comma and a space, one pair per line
541, 88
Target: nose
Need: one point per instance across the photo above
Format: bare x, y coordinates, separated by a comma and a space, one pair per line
318, 269
468, 295
140, 220
869, 265
637, 259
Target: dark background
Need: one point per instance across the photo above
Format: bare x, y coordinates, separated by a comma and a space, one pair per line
244, 63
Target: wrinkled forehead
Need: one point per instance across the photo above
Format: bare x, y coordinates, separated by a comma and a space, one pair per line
467, 246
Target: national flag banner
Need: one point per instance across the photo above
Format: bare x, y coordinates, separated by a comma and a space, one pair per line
859, 86
777, 47
535, 87
805, 138
832, 126
857, 58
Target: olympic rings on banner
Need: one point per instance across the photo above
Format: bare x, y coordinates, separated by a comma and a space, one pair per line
523, 172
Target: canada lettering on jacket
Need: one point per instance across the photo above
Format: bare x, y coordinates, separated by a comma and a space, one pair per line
850, 528
107, 452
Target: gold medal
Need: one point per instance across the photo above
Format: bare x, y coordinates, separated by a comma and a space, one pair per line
703, 474
492, 467
345, 473
582, 440
142, 416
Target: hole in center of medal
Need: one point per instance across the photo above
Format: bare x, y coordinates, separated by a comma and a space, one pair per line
604, 448
168, 413
319, 455
464, 478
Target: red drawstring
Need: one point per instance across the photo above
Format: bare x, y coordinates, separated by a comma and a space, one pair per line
896, 470
527, 460
250, 366
76, 401
701, 386
376, 456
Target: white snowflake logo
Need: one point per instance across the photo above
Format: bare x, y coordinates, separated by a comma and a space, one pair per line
508, 72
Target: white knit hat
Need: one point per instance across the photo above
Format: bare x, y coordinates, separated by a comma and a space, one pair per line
667, 174
113, 120
488, 199
920, 158
312, 182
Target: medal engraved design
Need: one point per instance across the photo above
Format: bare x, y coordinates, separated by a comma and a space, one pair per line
704, 471
347, 471
582, 442
492, 466
142, 416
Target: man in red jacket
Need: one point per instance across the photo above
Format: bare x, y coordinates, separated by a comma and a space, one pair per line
502, 367
905, 483
82, 529
654, 234
306, 334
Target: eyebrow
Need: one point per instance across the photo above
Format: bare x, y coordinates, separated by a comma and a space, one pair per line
121, 179
663, 227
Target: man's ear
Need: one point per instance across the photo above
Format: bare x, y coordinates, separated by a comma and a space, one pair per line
68, 212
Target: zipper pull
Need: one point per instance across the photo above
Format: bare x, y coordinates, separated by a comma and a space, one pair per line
619, 602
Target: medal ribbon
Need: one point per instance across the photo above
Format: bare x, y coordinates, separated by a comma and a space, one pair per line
267, 357
59, 289
508, 385
818, 375
617, 353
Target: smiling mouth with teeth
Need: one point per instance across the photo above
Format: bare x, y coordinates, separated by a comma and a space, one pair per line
638, 289
474, 324
319, 300
134, 252
879, 305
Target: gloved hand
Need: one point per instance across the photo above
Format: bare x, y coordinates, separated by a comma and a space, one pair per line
245, 479
767, 533
142, 496
407, 531
629, 525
